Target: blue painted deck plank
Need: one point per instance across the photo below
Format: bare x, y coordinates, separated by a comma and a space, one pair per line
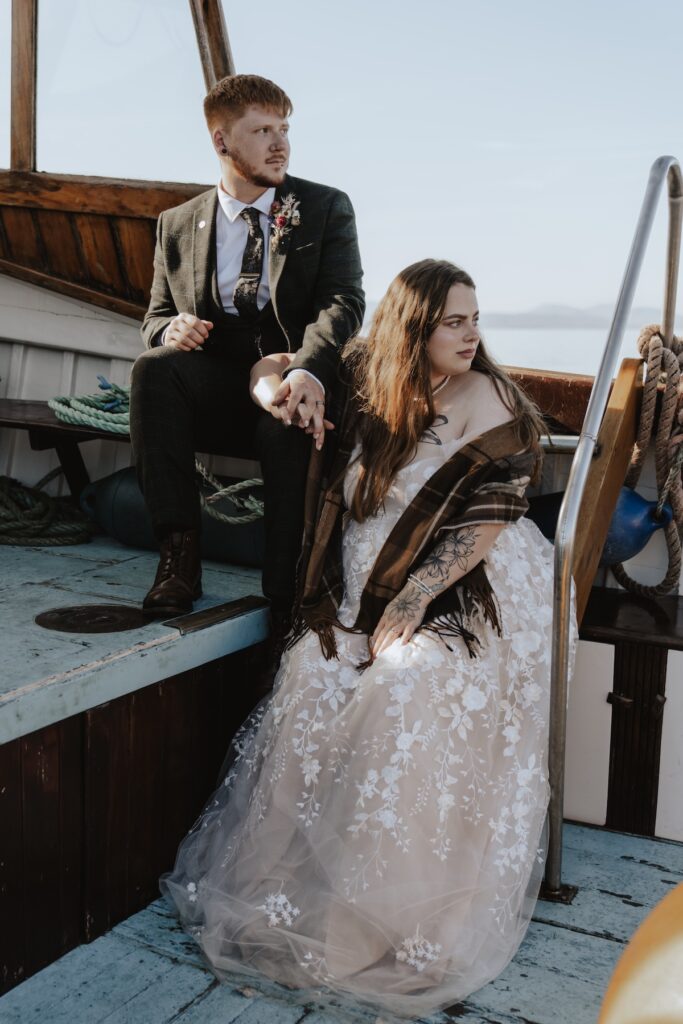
148, 971
49, 676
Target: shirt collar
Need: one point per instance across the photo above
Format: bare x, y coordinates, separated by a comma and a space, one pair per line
233, 207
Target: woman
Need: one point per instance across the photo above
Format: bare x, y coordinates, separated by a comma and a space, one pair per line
378, 832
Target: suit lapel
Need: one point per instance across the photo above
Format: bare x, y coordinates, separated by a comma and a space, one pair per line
204, 253
277, 259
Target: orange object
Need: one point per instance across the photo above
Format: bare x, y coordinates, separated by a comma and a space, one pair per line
647, 984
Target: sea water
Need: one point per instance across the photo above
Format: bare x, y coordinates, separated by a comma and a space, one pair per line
565, 350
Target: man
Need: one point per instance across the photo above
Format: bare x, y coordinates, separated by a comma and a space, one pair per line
264, 263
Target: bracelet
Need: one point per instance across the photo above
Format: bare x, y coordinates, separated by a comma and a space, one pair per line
422, 586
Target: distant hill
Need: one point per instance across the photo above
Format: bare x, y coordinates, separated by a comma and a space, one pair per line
557, 317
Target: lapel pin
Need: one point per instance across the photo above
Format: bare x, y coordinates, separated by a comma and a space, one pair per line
202, 223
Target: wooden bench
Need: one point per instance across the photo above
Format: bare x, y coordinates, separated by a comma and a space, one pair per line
45, 432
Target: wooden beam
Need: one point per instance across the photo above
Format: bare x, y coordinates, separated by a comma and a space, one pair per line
560, 396
70, 193
23, 132
212, 40
74, 291
616, 438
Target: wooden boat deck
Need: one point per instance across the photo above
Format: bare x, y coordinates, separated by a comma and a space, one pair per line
148, 971
48, 676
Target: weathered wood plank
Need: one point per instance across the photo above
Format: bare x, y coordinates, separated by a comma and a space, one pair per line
75, 291
107, 779
606, 476
71, 832
560, 396
212, 40
146, 856
23, 86
22, 235
61, 248
41, 845
76, 194
12, 940
99, 254
136, 239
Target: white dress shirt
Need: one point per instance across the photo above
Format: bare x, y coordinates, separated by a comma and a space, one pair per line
231, 239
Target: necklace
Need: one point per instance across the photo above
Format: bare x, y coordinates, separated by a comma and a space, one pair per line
441, 386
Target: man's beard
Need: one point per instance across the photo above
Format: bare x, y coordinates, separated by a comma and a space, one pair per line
251, 175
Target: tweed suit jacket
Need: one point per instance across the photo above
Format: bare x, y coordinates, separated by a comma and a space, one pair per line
315, 274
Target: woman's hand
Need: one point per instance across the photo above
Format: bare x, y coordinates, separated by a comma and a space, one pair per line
400, 619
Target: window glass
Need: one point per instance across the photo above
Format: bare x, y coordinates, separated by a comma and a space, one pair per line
5, 73
120, 90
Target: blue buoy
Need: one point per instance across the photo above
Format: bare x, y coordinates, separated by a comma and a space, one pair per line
633, 522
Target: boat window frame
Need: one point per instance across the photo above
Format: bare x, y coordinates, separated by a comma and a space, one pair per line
23, 185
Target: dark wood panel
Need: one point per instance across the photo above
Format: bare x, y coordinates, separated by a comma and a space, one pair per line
41, 816
4, 241
108, 196
107, 772
23, 86
99, 254
12, 938
145, 819
62, 252
136, 240
614, 615
24, 240
71, 833
637, 699
92, 809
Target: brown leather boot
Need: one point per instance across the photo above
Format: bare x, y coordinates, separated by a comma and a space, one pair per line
179, 575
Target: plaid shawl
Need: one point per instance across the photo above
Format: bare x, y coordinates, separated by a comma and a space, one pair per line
483, 482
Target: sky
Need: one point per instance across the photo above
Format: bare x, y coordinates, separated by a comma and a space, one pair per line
512, 138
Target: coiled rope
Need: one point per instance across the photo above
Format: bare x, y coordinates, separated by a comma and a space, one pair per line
662, 377
111, 412
30, 517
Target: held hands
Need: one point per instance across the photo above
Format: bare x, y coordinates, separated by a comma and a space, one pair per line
400, 619
300, 400
187, 332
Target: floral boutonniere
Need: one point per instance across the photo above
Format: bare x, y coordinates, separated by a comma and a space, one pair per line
284, 215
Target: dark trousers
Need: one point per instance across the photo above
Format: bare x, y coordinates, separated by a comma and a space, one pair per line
182, 402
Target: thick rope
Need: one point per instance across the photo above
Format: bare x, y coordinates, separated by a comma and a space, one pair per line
111, 412
253, 506
30, 517
662, 378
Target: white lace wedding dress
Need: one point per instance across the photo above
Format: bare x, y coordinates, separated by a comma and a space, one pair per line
379, 834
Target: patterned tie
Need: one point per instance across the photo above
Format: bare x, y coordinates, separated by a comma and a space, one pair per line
244, 296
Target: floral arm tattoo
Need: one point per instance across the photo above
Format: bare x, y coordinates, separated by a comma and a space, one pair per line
449, 560
452, 558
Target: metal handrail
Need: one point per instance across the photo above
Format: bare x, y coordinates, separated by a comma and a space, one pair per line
664, 167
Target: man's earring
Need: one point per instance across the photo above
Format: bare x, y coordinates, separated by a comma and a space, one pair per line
224, 151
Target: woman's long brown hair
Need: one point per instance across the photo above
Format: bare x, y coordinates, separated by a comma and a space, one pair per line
390, 371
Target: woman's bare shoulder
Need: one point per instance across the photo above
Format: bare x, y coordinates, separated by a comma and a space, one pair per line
485, 406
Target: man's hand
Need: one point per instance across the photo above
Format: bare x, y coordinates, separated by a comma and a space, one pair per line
187, 332
301, 400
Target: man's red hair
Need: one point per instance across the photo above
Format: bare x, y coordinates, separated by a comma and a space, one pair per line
232, 96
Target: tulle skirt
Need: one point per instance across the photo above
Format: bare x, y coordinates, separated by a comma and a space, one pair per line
378, 836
